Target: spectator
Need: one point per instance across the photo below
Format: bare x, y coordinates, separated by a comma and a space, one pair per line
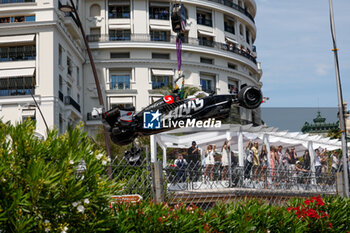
181, 164
272, 162
318, 165
209, 161
299, 173
224, 159
324, 162
293, 158
287, 157
200, 19
280, 154
193, 157
249, 160
231, 46
263, 162
256, 161
335, 162
307, 160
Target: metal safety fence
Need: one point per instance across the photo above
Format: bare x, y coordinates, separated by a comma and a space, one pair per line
135, 175
203, 186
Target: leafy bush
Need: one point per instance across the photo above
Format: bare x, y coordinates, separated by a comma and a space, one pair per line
58, 184
310, 215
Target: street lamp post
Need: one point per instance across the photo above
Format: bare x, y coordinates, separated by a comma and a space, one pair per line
71, 8
341, 105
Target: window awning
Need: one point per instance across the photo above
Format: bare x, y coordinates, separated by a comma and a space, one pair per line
231, 40
206, 33
120, 100
161, 4
16, 39
162, 72
119, 26
118, 3
160, 27
28, 112
17, 73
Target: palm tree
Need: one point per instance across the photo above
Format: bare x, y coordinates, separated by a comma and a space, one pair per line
334, 134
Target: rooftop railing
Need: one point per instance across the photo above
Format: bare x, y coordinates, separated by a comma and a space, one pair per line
234, 6
172, 39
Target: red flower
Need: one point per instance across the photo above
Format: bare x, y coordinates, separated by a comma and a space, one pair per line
307, 202
330, 225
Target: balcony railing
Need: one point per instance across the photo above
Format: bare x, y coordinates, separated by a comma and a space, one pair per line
164, 16
69, 14
70, 101
60, 95
15, 1
230, 29
172, 39
205, 22
234, 6
119, 15
17, 56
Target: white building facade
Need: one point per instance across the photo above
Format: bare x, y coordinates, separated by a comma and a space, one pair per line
41, 57
134, 49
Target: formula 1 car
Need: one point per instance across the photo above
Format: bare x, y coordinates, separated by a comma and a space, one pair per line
167, 113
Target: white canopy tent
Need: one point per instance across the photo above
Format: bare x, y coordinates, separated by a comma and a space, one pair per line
182, 138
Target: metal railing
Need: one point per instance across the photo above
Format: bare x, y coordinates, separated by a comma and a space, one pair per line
159, 16
15, 1
172, 39
60, 95
230, 29
205, 22
70, 101
234, 6
195, 176
68, 14
18, 56
119, 15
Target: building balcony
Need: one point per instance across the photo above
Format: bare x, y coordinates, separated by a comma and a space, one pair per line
71, 23
68, 100
234, 6
172, 40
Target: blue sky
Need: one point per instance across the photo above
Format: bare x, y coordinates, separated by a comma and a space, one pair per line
294, 46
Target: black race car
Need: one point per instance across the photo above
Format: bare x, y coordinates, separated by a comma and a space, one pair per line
170, 112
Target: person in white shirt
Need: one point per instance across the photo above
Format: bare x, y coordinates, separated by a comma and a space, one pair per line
226, 152
209, 161
318, 165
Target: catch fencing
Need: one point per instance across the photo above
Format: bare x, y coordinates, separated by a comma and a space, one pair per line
203, 186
